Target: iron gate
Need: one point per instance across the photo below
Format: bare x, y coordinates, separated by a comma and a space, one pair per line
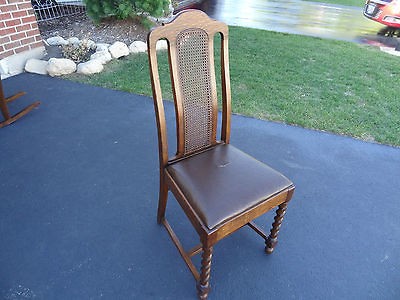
53, 9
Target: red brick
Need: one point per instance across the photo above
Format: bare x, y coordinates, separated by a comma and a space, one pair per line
27, 41
24, 6
38, 38
7, 8
1, 48
2, 24
30, 12
24, 27
7, 31
4, 40
32, 32
11, 23
5, 16
12, 45
37, 44
19, 14
18, 36
29, 19
15, 1
6, 54
34, 25
21, 49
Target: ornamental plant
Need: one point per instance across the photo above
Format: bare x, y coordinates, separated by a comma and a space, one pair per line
77, 52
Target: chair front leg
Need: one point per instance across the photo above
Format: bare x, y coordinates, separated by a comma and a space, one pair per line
203, 285
272, 239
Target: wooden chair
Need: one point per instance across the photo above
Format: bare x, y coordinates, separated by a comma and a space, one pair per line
8, 119
220, 188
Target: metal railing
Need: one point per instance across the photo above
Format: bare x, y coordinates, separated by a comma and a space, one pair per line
52, 9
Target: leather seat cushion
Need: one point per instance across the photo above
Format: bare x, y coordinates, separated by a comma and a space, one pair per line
223, 182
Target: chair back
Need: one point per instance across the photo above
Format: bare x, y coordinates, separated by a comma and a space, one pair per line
190, 39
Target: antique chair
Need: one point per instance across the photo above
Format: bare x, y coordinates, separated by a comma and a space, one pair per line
8, 119
220, 188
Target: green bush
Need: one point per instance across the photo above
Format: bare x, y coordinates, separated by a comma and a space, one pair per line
123, 9
158, 8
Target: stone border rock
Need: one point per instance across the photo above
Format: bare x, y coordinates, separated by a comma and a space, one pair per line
103, 54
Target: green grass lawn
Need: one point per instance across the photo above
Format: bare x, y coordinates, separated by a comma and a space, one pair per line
329, 85
359, 3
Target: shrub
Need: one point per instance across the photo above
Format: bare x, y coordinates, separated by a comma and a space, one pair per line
155, 8
123, 9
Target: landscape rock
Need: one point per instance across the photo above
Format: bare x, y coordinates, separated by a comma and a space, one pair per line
60, 66
37, 66
138, 47
56, 41
118, 49
102, 46
73, 41
162, 45
91, 44
90, 67
103, 56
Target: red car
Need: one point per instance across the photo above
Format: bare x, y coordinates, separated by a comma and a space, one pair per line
386, 12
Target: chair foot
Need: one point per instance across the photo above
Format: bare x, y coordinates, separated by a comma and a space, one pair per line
9, 120
270, 245
203, 285
202, 291
272, 239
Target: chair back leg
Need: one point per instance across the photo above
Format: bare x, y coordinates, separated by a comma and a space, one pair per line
162, 201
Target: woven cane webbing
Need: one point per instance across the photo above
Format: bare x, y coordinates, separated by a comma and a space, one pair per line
195, 82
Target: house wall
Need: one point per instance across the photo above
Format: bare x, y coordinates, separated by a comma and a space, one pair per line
19, 33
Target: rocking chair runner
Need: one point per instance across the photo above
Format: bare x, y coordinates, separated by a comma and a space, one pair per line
220, 188
8, 119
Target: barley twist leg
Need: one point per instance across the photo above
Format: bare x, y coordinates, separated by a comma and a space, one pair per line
272, 239
203, 285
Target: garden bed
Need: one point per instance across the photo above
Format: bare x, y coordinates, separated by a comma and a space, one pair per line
80, 26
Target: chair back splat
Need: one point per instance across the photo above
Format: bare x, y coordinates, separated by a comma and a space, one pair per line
220, 188
191, 57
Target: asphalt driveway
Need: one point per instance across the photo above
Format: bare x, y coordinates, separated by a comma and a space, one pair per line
78, 205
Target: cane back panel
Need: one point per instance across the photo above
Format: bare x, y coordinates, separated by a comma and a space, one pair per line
191, 58
198, 102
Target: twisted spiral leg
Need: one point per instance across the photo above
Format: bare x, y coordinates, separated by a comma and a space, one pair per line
203, 285
272, 239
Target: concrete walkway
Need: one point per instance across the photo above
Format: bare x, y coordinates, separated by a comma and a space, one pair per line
78, 204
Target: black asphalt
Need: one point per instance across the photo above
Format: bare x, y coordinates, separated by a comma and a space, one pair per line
78, 186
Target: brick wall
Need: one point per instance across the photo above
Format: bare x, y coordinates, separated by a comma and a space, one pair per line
18, 27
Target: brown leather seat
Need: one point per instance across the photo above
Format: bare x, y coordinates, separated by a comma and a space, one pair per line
223, 182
